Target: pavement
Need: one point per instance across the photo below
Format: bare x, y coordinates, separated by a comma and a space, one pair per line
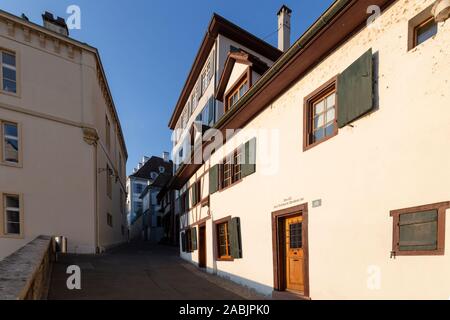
141, 271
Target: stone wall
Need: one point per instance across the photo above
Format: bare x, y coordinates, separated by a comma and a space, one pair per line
25, 274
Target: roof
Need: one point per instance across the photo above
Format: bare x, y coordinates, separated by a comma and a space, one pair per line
78, 44
219, 25
339, 22
152, 165
160, 182
240, 56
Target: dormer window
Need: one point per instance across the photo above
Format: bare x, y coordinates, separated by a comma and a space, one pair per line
237, 92
161, 169
153, 175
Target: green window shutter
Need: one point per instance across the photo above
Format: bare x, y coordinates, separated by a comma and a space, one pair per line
249, 165
418, 231
183, 242
235, 238
214, 179
355, 90
194, 239
186, 199
194, 194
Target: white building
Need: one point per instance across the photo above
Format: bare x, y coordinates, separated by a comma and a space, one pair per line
347, 198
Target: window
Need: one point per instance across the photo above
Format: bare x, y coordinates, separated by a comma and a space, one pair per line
320, 115
231, 168
420, 230
227, 172
189, 240
228, 238
108, 182
10, 142
425, 31
162, 169
196, 193
138, 188
12, 216
223, 241
236, 93
109, 220
153, 175
9, 72
236, 166
108, 133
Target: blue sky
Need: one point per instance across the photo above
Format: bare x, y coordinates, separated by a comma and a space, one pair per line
148, 46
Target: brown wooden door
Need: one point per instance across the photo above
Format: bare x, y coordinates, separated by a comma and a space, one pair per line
294, 254
202, 247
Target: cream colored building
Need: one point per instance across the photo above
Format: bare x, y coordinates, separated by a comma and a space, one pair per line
349, 194
63, 154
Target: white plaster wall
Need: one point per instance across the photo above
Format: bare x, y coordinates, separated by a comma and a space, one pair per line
394, 158
57, 177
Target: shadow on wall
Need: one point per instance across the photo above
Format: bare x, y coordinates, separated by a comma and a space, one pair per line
259, 287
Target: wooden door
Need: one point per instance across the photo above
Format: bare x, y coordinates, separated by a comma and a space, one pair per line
294, 254
202, 247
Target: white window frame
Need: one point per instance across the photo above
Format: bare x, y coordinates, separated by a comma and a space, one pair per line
3, 217
8, 66
3, 136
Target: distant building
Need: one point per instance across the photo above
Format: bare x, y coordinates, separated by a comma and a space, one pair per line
147, 172
170, 219
62, 152
152, 217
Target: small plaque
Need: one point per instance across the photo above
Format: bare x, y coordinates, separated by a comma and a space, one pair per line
317, 203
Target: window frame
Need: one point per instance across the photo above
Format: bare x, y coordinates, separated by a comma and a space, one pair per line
109, 220
232, 159
420, 25
441, 208
310, 101
245, 77
2, 142
17, 70
217, 223
3, 221
415, 23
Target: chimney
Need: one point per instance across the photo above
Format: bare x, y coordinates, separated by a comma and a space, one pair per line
57, 25
166, 156
284, 28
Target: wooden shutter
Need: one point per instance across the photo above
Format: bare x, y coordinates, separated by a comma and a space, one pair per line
183, 242
235, 238
355, 90
418, 231
193, 239
186, 201
249, 165
194, 194
214, 179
